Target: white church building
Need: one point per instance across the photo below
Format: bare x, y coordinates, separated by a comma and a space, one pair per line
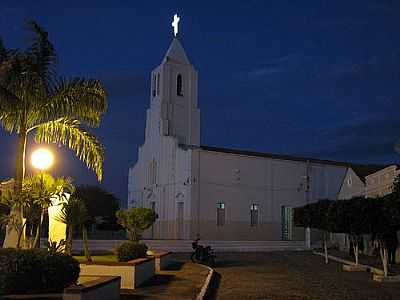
216, 193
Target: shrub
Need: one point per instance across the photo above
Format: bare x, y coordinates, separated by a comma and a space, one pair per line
131, 250
35, 270
60, 270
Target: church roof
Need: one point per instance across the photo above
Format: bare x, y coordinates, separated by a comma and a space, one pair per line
364, 171
359, 169
176, 53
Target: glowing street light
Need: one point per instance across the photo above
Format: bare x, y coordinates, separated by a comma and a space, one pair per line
42, 159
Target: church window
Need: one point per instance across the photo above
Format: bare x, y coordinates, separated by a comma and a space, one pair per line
152, 173
220, 214
153, 208
349, 181
158, 84
254, 215
179, 87
154, 85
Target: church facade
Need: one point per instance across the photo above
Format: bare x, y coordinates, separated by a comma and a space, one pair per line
216, 193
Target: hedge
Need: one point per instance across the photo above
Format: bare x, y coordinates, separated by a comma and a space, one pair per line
36, 271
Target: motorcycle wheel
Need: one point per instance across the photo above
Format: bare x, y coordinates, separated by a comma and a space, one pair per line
211, 261
195, 258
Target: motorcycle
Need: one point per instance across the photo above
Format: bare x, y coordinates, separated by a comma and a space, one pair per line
203, 255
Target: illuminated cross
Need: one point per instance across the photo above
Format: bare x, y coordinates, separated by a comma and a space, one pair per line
175, 24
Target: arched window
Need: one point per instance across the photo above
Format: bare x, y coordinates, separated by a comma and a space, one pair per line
158, 84
154, 85
179, 85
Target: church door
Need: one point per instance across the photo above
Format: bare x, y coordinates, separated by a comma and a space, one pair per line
153, 208
179, 221
287, 223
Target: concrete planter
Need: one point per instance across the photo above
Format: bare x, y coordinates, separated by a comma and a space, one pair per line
94, 287
355, 268
133, 273
381, 278
163, 259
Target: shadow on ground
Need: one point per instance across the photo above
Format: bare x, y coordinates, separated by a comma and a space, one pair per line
213, 288
175, 266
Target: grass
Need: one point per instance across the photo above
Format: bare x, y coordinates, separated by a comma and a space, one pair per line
98, 258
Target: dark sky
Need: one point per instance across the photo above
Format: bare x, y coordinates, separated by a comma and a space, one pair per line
316, 78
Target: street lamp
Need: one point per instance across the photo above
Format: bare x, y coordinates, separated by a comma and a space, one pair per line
42, 159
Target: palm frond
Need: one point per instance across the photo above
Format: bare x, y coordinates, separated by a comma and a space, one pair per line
82, 99
8, 100
70, 133
73, 213
43, 54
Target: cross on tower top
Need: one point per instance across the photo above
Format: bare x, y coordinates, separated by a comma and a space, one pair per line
175, 24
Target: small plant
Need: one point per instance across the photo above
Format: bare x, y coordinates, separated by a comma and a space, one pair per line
131, 250
54, 247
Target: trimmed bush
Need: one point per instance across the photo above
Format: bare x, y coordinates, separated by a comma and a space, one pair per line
131, 250
35, 271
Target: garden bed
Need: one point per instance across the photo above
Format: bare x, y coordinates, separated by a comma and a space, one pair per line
133, 273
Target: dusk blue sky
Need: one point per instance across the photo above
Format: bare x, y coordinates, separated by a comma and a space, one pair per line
311, 78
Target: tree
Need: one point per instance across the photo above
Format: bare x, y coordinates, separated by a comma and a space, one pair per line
386, 222
10, 198
315, 215
35, 198
74, 214
136, 220
34, 99
43, 189
99, 203
357, 221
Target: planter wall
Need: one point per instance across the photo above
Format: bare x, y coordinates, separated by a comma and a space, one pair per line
99, 288
163, 260
133, 273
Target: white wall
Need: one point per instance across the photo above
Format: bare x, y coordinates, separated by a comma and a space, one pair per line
352, 186
240, 180
381, 183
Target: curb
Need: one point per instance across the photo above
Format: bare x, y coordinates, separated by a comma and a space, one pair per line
370, 269
206, 283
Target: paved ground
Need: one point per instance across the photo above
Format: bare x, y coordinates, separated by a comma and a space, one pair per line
182, 281
373, 261
293, 276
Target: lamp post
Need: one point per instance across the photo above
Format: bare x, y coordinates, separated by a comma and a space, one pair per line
42, 159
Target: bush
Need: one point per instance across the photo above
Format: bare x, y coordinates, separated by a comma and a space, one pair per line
131, 250
60, 271
36, 271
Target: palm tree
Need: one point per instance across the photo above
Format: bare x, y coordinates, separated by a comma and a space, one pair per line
38, 193
44, 188
34, 99
74, 215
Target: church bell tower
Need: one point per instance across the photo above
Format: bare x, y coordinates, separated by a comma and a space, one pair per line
174, 97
